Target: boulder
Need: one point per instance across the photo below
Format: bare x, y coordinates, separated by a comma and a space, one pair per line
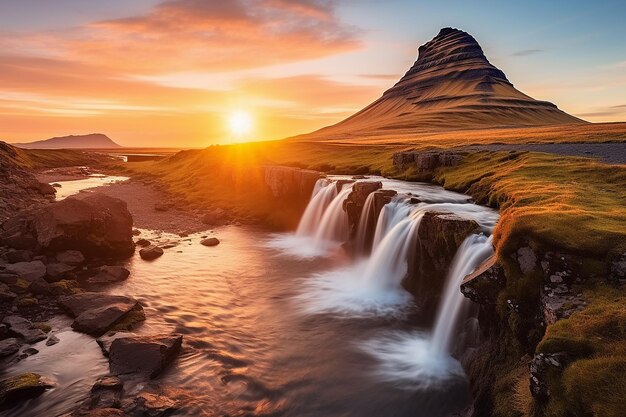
215, 217
94, 223
438, 238
24, 329
484, 284
97, 313
6, 294
211, 241
106, 340
106, 393
541, 366
109, 274
425, 163
57, 271
22, 387
19, 255
143, 243
30, 271
289, 182
143, 355
355, 201
70, 257
151, 252
9, 346
150, 404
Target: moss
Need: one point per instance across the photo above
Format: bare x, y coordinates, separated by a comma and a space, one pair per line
20, 387
27, 302
66, 287
44, 327
130, 320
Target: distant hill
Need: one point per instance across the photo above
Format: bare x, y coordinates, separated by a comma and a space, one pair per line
451, 86
91, 141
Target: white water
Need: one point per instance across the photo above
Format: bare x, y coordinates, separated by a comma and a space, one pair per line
391, 214
364, 221
472, 252
323, 194
334, 225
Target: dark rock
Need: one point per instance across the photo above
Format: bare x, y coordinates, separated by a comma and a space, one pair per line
106, 412
425, 163
143, 243
212, 241
526, 259
150, 404
57, 271
22, 387
483, 285
97, 313
617, 268
30, 271
540, 367
106, 393
438, 238
6, 294
24, 329
30, 351
215, 217
40, 286
143, 355
70, 257
8, 277
19, 255
355, 201
151, 252
105, 341
288, 182
9, 346
52, 340
109, 274
93, 223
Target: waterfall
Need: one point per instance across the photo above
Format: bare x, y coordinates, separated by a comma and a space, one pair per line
323, 193
472, 252
334, 226
388, 264
363, 233
391, 214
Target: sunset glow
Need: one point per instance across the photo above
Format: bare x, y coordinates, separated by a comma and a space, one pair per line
240, 123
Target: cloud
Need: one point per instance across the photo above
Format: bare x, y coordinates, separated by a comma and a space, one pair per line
188, 35
527, 52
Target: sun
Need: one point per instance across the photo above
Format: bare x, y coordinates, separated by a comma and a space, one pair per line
240, 122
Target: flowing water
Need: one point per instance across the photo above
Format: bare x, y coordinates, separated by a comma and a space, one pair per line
274, 328
71, 187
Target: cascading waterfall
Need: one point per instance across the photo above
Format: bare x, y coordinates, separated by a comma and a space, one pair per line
472, 252
334, 226
323, 194
363, 234
391, 214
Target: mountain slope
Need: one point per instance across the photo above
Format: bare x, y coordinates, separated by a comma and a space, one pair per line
91, 141
451, 86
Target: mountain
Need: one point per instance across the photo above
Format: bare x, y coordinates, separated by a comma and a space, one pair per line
91, 141
451, 86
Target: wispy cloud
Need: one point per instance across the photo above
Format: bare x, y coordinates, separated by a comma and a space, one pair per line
527, 52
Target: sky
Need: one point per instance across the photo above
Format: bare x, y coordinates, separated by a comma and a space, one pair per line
172, 73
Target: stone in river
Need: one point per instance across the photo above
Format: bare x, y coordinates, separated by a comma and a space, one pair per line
109, 274
19, 255
212, 241
151, 252
96, 313
71, 257
150, 404
30, 271
24, 328
9, 346
105, 341
21, 387
143, 242
143, 355
57, 271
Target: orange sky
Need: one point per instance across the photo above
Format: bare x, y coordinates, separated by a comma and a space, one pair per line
169, 73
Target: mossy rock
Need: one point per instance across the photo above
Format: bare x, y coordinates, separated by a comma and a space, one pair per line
65, 287
44, 327
25, 302
21, 387
130, 320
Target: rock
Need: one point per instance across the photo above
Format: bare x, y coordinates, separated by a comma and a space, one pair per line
52, 340
526, 259
9, 346
355, 201
484, 284
24, 329
151, 252
540, 366
40, 286
150, 404
143, 243
212, 241
106, 412
106, 392
70, 257
617, 268
19, 255
161, 206
57, 271
65, 287
288, 182
30, 271
8, 277
425, 163
93, 223
30, 352
438, 238
109, 274
215, 217
22, 387
97, 313
56, 185
105, 341
143, 355
6, 294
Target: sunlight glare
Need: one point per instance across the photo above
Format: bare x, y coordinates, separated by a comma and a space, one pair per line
240, 122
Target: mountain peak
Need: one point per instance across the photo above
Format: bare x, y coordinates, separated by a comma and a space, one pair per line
90, 141
451, 86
